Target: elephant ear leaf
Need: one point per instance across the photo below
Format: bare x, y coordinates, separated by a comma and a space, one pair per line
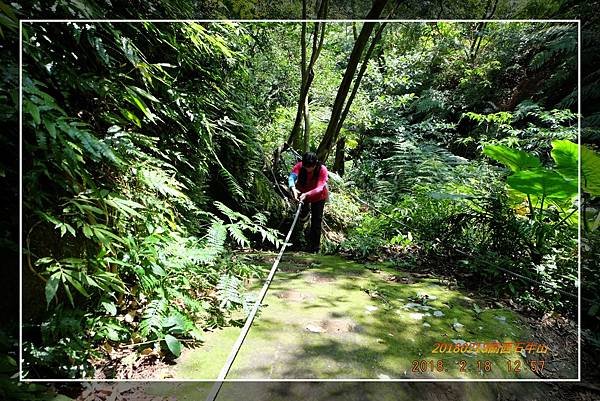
514, 159
565, 154
543, 183
590, 171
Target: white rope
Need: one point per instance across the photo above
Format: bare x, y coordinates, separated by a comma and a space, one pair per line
234, 351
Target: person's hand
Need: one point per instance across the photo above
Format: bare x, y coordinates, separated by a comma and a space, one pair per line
302, 197
296, 193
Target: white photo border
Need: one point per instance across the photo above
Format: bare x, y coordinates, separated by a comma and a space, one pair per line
424, 380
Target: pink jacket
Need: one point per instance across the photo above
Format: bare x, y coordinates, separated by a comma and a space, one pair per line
316, 189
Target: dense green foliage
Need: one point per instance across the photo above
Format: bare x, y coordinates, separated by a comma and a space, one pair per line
437, 99
119, 220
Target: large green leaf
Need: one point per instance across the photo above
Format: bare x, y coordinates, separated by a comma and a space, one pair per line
173, 344
514, 159
543, 182
52, 287
174, 323
590, 171
110, 307
565, 154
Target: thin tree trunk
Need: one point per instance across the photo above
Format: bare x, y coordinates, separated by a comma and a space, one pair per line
332, 131
490, 9
474, 39
357, 81
306, 125
329, 137
340, 157
308, 71
361, 72
304, 80
480, 39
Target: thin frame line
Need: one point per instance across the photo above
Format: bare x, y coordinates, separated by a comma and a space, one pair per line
578, 21
172, 380
304, 20
20, 200
579, 200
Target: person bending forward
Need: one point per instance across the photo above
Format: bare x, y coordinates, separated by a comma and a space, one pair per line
308, 182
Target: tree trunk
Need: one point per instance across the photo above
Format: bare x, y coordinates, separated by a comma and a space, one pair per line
306, 126
308, 71
333, 127
330, 134
361, 73
490, 9
340, 157
304, 80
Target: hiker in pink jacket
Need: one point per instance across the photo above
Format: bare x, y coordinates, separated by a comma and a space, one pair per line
308, 182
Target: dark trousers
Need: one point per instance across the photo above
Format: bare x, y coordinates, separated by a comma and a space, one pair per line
316, 218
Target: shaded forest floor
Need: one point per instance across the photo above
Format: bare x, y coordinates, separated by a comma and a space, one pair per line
326, 317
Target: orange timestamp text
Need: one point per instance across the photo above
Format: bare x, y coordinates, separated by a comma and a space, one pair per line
491, 347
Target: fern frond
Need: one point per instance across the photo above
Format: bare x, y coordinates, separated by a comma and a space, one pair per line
558, 40
151, 323
214, 245
228, 292
231, 182
226, 211
192, 304
96, 149
149, 282
270, 235
176, 322
238, 235
232, 215
593, 120
216, 235
248, 302
260, 218
160, 181
431, 100
525, 109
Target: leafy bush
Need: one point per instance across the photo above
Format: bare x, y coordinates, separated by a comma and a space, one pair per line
529, 127
342, 210
119, 153
368, 238
462, 214
10, 387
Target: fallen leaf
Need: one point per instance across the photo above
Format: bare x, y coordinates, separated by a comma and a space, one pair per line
457, 326
314, 328
129, 316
